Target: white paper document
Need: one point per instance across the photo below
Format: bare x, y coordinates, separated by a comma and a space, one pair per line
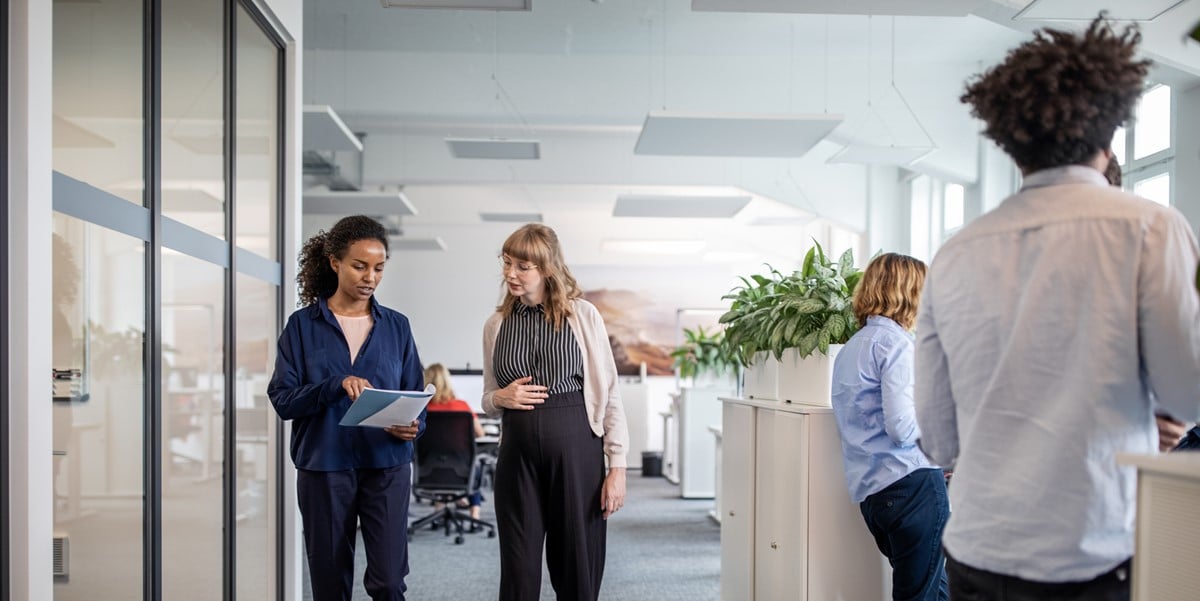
386, 408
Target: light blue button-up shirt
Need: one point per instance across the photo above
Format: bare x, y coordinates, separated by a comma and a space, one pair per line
873, 404
1046, 328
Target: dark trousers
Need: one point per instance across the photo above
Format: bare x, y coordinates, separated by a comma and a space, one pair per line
970, 584
548, 479
332, 504
907, 519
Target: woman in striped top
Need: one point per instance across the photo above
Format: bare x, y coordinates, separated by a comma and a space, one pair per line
549, 373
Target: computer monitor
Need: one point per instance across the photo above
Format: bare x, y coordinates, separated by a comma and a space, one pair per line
468, 386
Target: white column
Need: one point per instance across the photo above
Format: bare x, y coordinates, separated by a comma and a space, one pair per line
30, 158
887, 212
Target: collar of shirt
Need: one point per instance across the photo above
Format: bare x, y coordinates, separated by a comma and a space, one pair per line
1057, 176
523, 309
327, 314
887, 322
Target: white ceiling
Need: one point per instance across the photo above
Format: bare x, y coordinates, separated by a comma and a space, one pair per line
581, 76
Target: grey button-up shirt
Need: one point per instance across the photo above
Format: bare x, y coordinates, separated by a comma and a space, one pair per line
1047, 329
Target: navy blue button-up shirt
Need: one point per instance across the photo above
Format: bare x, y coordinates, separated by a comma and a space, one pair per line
306, 387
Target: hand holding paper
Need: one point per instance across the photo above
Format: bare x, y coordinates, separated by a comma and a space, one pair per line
385, 408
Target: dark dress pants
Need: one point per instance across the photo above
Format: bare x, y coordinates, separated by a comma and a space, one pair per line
907, 519
332, 504
971, 584
549, 476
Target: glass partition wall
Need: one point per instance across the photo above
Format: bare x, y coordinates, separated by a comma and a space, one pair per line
166, 275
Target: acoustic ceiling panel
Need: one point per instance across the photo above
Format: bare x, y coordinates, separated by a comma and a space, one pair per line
1086, 10
733, 135
325, 130
400, 243
326, 202
511, 217
943, 8
494, 148
461, 4
880, 155
710, 207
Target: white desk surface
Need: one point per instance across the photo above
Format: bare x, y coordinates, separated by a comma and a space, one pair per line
1185, 463
787, 406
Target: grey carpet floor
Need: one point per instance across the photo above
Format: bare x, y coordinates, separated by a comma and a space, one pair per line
660, 547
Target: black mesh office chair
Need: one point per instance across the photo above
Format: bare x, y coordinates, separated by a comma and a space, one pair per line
444, 470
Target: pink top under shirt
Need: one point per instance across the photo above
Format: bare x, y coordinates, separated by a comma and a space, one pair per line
355, 329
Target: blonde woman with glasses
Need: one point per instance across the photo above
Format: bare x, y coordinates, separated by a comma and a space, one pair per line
549, 374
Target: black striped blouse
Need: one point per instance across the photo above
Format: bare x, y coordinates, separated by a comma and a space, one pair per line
528, 345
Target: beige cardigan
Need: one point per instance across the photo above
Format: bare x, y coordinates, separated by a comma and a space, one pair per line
600, 392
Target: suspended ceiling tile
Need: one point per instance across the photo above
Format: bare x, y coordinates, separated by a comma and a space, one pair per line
325, 130
400, 243
326, 202
461, 4
511, 217
865, 154
1086, 10
731, 134
942, 8
494, 148
711, 207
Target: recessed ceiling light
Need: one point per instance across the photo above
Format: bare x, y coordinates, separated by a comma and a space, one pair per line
328, 202
494, 148
733, 135
653, 247
713, 207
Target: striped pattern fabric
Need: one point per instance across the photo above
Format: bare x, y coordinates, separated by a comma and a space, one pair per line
528, 345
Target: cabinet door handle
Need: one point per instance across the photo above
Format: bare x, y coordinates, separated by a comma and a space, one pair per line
731, 514
774, 545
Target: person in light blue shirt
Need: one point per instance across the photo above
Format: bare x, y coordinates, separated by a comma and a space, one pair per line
902, 495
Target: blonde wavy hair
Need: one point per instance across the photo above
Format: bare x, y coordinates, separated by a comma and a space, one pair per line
439, 376
538, 244
891, 287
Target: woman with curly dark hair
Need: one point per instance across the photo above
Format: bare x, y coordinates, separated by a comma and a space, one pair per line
1043, 328
340, 342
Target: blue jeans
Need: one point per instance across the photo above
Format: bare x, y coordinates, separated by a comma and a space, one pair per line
907, 519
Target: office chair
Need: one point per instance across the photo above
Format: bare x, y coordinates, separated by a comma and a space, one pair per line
444, 469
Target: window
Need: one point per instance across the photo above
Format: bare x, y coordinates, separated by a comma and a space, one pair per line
1145, 149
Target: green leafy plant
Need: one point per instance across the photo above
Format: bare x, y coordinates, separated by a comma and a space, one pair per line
702, 353
807, 310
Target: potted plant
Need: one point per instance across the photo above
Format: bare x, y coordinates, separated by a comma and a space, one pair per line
703, 357
796, 322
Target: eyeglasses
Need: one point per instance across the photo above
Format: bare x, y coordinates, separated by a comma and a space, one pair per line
506, 264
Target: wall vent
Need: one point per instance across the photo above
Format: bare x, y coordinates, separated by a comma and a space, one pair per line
62, 558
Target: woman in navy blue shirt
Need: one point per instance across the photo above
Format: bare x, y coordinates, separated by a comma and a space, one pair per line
339, 343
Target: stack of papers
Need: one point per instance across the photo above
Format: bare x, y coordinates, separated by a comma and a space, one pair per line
377, 408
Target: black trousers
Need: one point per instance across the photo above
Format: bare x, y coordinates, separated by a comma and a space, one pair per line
971, 584
548, 479
332, 504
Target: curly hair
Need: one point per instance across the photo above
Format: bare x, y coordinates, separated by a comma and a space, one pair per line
538, 244
891, 287
1057, 99
315, 277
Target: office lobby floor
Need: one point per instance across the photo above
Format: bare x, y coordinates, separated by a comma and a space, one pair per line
660, 547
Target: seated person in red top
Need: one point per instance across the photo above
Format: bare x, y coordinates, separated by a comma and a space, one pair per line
444, 400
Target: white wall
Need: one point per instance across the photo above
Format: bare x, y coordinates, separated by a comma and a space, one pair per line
1187, 154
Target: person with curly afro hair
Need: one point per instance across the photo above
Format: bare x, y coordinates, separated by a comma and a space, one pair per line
1052, 329
338, 343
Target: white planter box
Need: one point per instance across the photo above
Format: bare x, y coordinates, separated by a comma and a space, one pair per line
809, 380
761, 378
